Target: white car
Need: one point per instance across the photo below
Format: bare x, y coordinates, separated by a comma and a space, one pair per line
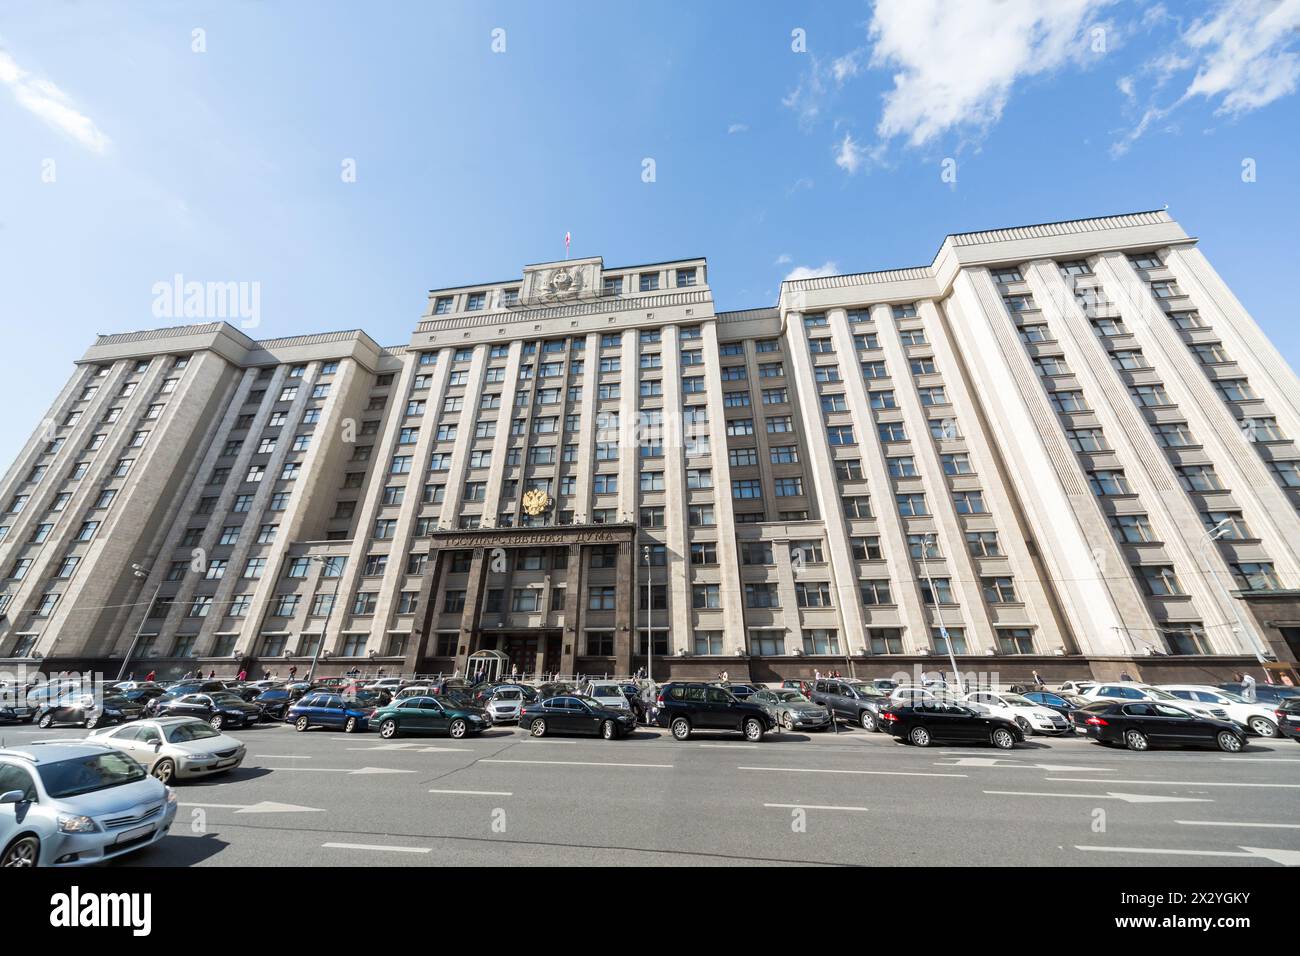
1129, 690
1028, 716
910, 695
609, 693
390, 684
173, 748
414, 690
1260, 719
1077, 686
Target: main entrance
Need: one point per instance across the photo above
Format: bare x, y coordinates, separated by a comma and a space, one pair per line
529, 653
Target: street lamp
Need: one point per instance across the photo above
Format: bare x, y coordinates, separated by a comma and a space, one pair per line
649, 611
938, 610
326, 564
140, 572
1214, 534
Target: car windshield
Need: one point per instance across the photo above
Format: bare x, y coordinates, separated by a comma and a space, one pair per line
1159, 694
183, 733
70, 778
791, 697
1015, 700
606, 690
868, 690
508, 695
225, 698
1234, 698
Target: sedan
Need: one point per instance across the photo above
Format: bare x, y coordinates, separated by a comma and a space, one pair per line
73, 804
1064, 703
792, 710
1288, 719
85, 709
934, 721
428, 715
173, 748
572, 714
274, 703
1140, 725
220, 709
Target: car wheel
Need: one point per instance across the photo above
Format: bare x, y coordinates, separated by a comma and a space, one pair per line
681, 729
44, 721
1024, 726
787, 722
867, 720
1263, 727
1229, 742
388, 729
457, 729
753, 729
216, 722
1003, 739
537, 728
919, 736
301, 724
164, 770
23, 852
608, 730
92, 722
1135, 740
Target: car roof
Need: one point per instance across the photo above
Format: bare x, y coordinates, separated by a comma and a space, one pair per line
46, 751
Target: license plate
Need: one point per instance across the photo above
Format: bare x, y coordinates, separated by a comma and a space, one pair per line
226, 763
135, 834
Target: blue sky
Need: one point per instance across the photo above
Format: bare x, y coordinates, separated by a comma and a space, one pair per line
784, 139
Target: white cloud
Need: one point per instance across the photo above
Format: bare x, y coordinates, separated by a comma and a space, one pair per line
737, 128
847, 66
47, 102
1248, 53
849, 155
813, 272
784, 259
956, 63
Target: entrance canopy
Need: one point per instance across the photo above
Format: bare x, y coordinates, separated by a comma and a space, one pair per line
487, 665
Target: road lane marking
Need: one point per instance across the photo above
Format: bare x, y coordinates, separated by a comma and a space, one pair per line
1227, 823
477, 793
813, 806
1177, 783
373, 846
1126, 797
266, 806
362, 770
1002, 763
583, 763
413, 748
873, 773
1284, 857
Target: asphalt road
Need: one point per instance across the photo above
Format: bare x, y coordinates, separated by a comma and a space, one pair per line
326, 798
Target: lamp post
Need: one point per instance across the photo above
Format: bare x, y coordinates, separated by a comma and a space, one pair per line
141, 572
649, 611
1214, 534
326, 564
938, 611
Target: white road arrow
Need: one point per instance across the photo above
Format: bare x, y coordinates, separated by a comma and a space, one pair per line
1284, 857
339, 770
1126, 797
1003, 764
266, 806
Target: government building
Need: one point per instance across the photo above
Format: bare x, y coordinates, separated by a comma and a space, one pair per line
1063, 447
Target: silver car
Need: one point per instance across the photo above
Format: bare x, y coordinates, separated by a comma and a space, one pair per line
504, 706
792, 710
173, 748
72, 804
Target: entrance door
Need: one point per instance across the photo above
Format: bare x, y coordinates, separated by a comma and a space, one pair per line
522, 652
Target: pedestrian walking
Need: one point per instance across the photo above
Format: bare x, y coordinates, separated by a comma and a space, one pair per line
1126, 676
150, 676
293, 671
1248, 687
243, 675
1039, 681
212, 675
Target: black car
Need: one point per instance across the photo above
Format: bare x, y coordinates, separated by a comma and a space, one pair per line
87, 710
927, 722
274, 703
853, 700
686, 707
572, 714
180, 689
738, 691
1142, 724
220, 709
1288, 719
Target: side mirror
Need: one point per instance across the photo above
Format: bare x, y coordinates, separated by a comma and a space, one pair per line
12, 796
157, 746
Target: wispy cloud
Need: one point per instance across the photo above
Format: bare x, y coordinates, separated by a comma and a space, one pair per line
737, 128
849, 154
812, 272
47, 102
784, 259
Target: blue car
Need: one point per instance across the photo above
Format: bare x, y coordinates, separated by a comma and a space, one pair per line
328, 710
1063, 703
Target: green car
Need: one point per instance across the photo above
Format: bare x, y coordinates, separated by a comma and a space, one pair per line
428, 715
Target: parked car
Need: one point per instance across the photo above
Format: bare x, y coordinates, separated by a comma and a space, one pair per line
327, 710
1139, 725
274, 703
174, 748
609, 693
1076, 686
936, 721
636, 702
72, 804
143, 695
14, 709
220, 709
1268, 693
390, 684
1124, 691
428, 715
88, 711
685, 707
1288, 718
1023, 712
1256, 716
853, 700
573, 714
739, 691
503, 706
792, 710
803, 686
181, 688
1064, 703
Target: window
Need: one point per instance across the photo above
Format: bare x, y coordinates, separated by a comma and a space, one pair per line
648, 282
1159, 580
1109, 482
600, 598
704, 552
998, 590
911, 505
875, 592
1015, 640
761, 595
685, 277
936, 587
983, 544
812, 594
1199, 478
1132, 529
1254, 576
1150, 396
788, 487
840, 435
857, 506
612, 285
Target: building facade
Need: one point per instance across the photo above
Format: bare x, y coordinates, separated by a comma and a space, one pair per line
1064, 447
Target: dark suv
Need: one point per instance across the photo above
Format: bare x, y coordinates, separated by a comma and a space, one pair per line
685, 707
851, 700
